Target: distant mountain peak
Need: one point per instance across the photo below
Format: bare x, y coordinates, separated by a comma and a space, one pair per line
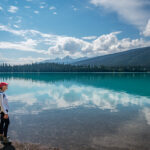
66, 60
68, 56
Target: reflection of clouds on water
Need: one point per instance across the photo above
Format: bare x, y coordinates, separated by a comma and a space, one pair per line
26, 98
91, 123
146, 112
39, 96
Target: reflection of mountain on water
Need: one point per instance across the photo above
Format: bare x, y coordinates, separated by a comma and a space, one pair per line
133, 83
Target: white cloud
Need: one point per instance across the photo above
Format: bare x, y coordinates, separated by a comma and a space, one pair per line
36, 12
61, 46
25, 33
132, 11
55, 13
69, 46
128, 43
41, 7
74, 8
22, 59
104, 44
1, 8
89, 37
146, 32
28, 45
105, 41
109, 43
16, 26
7, 29
52, 8
13, 9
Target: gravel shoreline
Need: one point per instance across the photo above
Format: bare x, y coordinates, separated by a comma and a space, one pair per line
15, 145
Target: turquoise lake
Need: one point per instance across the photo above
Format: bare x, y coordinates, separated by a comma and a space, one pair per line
80, 111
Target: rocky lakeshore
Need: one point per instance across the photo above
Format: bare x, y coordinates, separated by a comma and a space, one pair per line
15, 145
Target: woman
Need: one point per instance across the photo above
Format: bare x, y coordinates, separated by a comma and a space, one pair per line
4, 113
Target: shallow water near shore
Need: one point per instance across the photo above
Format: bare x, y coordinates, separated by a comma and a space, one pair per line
80, 111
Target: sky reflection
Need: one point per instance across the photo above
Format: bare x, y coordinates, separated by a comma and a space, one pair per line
34, 97
100, 111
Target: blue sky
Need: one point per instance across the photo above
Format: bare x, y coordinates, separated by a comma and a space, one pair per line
35, 30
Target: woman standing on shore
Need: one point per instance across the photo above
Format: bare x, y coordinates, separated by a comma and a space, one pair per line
4, 113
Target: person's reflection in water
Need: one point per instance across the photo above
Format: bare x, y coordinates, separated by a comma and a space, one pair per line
4, 113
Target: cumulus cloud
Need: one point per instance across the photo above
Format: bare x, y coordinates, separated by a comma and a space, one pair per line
146, 32
133, 11
13, 9
69, 46
104, 41
110, 43
104, 44
89, 37
61, 46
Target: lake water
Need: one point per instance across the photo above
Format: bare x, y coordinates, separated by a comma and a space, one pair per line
80, 111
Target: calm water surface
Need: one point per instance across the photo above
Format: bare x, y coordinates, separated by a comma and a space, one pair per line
80, 111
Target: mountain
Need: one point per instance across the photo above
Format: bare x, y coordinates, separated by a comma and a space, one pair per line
65, 60
134, 57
